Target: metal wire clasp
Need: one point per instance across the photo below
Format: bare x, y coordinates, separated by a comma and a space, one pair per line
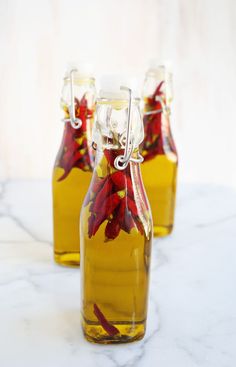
164, 108
75, 122
122, 161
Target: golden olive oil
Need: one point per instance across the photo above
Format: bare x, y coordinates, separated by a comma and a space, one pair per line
68, 196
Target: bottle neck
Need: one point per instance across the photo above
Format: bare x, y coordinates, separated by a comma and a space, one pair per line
82, 109
158, 137
78, 100
83, 89
76, 142
105, 162
114, 120
158, 83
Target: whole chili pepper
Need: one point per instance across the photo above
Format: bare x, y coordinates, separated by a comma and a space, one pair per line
106, 325
128, 222
153, 140
98, 184
91, 225
115, 225
113, 200
121, 210
112, 228
119, 180
104, 211
158, 92
112, 154
98, 220
101, 196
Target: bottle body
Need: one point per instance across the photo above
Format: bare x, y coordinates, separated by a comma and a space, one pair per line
159, 170
71, 177
116, 236
115, 268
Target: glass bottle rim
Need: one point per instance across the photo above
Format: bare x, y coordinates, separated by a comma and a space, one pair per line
161, 74
80, 80
117, 101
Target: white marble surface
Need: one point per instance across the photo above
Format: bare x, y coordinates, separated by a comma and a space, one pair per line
192, 309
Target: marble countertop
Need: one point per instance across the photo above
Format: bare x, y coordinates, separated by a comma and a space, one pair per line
192, 307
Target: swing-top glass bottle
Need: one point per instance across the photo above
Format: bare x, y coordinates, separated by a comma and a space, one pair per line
74, 163
116, 227
159, 170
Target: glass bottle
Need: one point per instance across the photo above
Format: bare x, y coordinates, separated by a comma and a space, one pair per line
116, 227
159, 170
73, 166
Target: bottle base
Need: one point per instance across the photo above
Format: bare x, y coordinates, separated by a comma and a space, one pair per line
128, 333
71, 259
162, 231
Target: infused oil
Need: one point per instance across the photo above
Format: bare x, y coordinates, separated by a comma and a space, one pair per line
68, 196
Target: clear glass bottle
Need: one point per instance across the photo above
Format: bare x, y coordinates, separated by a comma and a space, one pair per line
116, 228
159, 170
73, 166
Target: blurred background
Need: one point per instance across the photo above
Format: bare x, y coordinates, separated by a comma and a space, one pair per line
38, 38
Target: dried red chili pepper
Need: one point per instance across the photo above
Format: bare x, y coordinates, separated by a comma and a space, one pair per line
118, 178
103, 210
125, 217
128, 222
113, 200
98, 184
91, 224
157, 91
75, 151
100, 198
106, 325
112, 154
153, 139
112, 228
121, 209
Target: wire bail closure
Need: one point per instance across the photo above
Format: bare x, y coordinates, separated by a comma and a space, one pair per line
164, 108
75, 122
122, 161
